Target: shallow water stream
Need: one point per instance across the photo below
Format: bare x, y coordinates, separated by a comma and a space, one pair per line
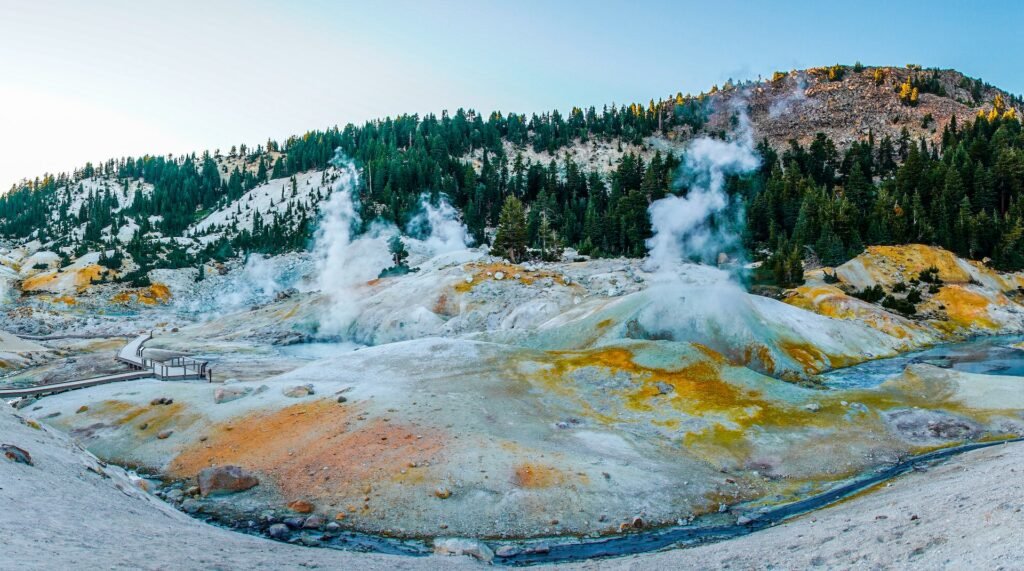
986, 355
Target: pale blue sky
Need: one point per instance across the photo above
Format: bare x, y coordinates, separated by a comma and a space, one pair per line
90, 80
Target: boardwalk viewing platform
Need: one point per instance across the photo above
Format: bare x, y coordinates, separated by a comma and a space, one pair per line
132, 354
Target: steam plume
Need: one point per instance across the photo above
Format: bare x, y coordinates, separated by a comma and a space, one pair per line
693, 226
439, 227
344, 263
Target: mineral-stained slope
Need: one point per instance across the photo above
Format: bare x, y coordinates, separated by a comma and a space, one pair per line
87, 515
565, 398
495, 440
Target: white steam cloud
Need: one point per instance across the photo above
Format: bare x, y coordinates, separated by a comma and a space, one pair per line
796, 97
686, 226
439, 228
258, 282
689, 301
344, 263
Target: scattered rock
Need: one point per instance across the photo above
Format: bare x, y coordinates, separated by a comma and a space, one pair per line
342, 399
278, 531
539, 549
174, 495
314, 522
333, 527
161, 401
228, 394
499, 275
637, 523
298, 391
309, 541
813, 407
506, 551
190, 506
294, 522
300, 506
82, 409
164, 434
225, 480
19, 455
443, 493
464, 546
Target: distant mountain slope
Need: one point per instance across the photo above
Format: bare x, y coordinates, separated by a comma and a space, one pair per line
590, 174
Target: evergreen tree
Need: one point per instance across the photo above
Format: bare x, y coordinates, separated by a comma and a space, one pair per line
510, 241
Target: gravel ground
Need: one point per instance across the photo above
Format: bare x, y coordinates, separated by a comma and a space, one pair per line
69, 511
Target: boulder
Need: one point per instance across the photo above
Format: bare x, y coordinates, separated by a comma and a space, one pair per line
464, 546
228, 394
298, 391
278, 531
13, 453
314, 522
225, 480
293, 522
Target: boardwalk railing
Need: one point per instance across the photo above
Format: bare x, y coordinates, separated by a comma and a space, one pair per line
44, 390
174, 368
177, 368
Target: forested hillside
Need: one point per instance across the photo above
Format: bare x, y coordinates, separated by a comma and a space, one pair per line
912, 156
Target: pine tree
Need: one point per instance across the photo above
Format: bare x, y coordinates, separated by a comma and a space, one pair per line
398, 252
510, 241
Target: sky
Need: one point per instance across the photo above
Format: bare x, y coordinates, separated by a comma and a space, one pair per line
88, 81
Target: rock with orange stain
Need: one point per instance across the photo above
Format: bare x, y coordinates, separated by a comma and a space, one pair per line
830, 301
152, 295
301, 506
971, 308
890, 265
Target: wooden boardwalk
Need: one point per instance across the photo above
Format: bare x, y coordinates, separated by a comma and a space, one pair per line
132, 354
